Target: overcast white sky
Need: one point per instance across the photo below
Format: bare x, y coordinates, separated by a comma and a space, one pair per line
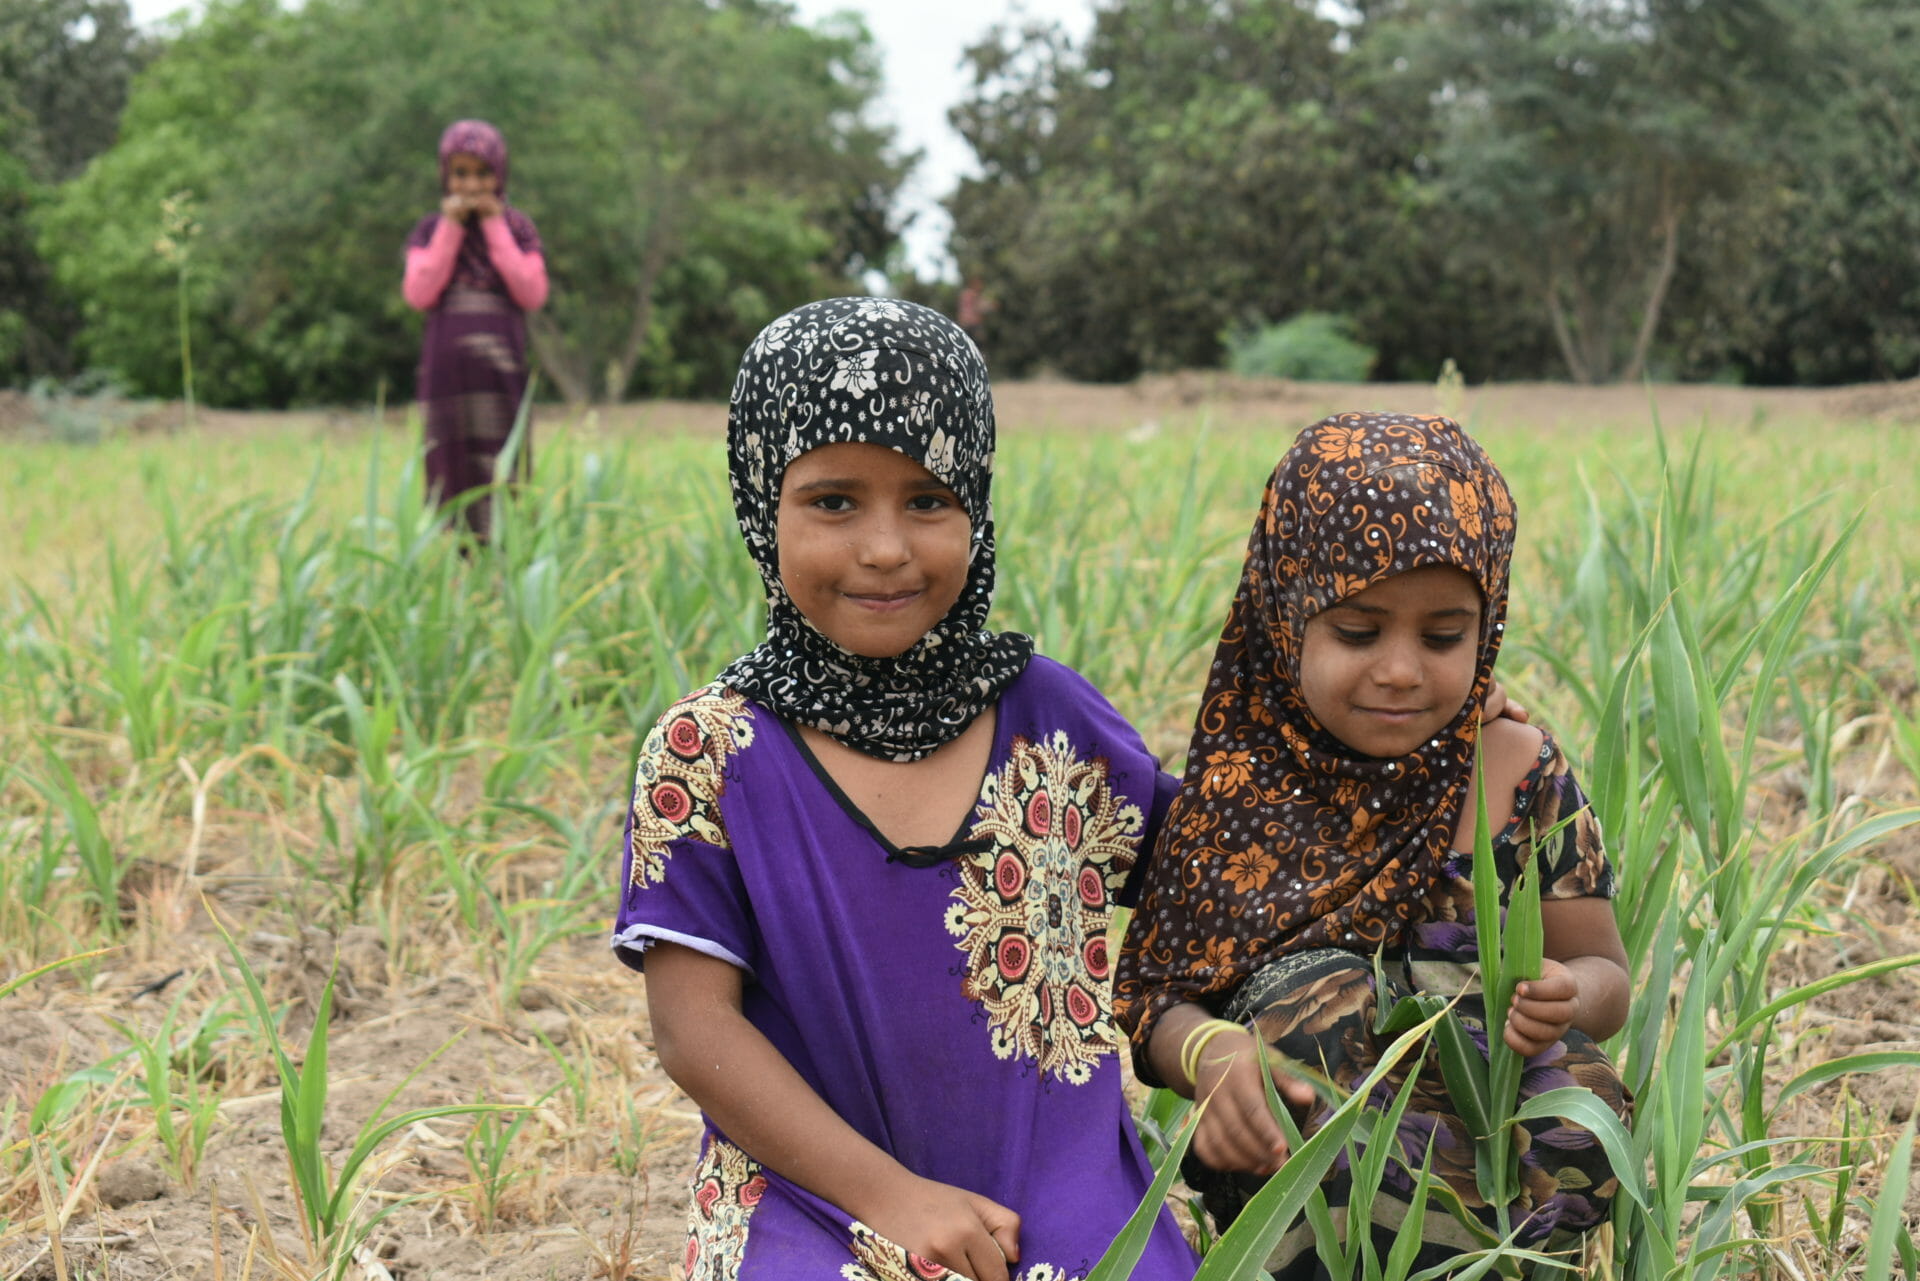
920, 42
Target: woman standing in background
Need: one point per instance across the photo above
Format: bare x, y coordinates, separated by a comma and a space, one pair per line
476, 269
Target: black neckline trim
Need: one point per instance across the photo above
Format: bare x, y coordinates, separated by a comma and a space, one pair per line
910, 855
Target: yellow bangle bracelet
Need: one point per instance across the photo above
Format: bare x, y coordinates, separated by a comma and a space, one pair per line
1196, 1043
1200, 1046
1186, 1047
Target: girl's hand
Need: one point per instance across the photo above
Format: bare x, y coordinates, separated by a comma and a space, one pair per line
1498, 705
485, 206
1542, 1009
953, 1227
1237, 1131
454, 207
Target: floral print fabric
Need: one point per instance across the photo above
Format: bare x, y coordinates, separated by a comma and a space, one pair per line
1318, 1007
1282, 838
1032, 910
882, 372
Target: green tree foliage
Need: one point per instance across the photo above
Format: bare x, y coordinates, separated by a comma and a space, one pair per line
1531, 187
103, 231
695, 167
1200, 163
64, 70
1126, 189
714, 170
1840, 297
1581, 142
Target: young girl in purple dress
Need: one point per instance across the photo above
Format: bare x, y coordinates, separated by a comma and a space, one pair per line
870, 868
476, 269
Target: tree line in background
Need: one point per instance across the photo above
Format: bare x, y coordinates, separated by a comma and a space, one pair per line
1594, 189
1532, 188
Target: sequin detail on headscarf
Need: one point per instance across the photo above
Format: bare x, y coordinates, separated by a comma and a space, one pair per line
881, 372
1282, 838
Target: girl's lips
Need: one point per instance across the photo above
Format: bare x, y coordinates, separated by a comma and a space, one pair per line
883, 602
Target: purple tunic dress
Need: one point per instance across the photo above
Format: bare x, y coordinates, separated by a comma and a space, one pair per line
956, 1015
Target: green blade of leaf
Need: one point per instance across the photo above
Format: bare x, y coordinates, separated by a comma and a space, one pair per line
1118, 1262
1584, 1108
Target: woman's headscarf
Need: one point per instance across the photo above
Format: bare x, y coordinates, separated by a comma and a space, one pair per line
476, 138
889, 373
475, 266
1282, 837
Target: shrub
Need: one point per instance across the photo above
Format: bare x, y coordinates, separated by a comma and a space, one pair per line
1313, 346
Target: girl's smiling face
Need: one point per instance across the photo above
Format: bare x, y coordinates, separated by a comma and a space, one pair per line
873, 547
1385, 669
470, 176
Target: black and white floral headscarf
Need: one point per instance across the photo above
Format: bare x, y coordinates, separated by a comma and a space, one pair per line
881, 372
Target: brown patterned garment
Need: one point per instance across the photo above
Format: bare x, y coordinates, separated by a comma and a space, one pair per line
1318, 1007
1282, 838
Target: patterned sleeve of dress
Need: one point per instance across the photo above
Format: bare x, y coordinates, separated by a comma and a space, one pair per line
1165, 787
680, 882
1565, 835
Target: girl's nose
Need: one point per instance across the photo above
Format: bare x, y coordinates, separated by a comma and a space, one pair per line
1398, 667
883, 543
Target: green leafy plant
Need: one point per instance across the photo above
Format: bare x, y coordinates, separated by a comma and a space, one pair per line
174, 1063
328, 1199
1312, 346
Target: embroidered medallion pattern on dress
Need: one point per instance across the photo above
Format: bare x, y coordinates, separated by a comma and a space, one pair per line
1032, 912
727, 1186
681, 773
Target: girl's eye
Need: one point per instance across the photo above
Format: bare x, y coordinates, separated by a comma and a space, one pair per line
1349, 636
833, 503
1445, 642
929, 503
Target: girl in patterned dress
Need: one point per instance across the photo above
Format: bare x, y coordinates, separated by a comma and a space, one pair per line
870, 869
476, 268
1321, 825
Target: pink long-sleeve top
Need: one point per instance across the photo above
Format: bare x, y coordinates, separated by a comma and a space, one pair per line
430, 267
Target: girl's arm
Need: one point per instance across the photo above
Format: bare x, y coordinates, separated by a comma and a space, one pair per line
1583, 981
430, 266
524, 272
1236, 1132
728, 1067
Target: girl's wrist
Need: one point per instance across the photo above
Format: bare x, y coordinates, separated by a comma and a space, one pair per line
867, 1192
1194, 1046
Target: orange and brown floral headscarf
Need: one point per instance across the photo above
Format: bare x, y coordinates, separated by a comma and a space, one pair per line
1282, 837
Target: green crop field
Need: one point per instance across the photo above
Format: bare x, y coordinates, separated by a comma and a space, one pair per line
309, 826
